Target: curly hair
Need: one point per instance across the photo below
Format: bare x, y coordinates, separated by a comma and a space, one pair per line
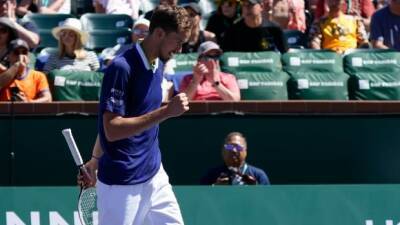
170, 19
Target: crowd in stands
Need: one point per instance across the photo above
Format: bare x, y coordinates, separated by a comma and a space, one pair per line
234, 26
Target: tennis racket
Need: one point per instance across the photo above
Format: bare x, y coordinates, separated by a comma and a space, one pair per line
87, 200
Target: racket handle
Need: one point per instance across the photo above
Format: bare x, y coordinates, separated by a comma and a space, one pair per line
87, 179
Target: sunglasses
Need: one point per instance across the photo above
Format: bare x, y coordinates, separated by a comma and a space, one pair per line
232, 147
20, 51
209, 57
140, 32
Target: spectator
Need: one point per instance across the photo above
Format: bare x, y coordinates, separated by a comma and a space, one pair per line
19, 82
337, 31
148, 14
7, 34
197, 35
71, 55
140, 30
289, 14
26, 30
380, 3
128, 7
385, 27
235, 171
44, 6
207, 81
360, 8
252, 34
227, 13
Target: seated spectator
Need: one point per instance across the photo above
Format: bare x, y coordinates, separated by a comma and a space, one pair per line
19, 82
360, 8
44, 6
197, 35
128, 7
71, 55
385, 27
25, 30
148, 14
140, 30
289, 14
227, 13
337, 31
235, 171
253, 33
207, 81
7, 34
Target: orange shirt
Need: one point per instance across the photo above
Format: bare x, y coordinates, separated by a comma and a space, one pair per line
31, 85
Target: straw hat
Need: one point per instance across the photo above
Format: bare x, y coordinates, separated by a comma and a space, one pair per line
70, 24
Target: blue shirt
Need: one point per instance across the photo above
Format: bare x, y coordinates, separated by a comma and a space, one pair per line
385, 26
131, 88
223, 171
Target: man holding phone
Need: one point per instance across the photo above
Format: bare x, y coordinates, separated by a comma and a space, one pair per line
207, 81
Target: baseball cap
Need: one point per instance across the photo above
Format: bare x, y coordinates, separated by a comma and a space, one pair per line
143, 21
208, 46
194, 6
19, 43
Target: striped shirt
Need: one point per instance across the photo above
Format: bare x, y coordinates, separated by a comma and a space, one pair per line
89, 63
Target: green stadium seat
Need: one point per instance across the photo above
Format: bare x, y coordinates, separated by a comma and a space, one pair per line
100, 39
374, 74
315, 75
99, 21
46, 40
67, 85
46, 21
259, 74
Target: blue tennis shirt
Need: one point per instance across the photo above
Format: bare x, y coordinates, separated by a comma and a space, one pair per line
131, 87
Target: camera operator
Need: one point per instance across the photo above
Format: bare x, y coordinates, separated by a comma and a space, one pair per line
235, 171
20, 83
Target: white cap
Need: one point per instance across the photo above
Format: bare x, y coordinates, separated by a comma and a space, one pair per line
208, 46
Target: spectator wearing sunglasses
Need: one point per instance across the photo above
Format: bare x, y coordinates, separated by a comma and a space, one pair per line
19, 82
140, 30
235, 171
197, 35
207, 81
227, 13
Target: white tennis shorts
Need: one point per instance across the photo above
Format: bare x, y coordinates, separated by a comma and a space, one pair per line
149, 203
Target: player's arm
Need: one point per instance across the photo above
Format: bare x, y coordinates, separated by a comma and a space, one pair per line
117, 127
92, 165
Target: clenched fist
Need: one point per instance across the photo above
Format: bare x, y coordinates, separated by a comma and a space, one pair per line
178, 105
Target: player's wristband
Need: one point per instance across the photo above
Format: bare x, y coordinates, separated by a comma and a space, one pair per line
95, 157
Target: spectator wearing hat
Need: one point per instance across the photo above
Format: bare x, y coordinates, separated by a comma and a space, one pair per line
19, 82
44, 7
207, 81
140, 30
71, 54
25, 30
227, 13
385, 27
252, 33
235, 170
197, 35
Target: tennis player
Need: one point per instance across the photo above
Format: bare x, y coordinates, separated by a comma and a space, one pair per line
132, 186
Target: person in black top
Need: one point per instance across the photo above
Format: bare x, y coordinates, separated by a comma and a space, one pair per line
149, 14
235, 171
197, 35
252, 33
227, 13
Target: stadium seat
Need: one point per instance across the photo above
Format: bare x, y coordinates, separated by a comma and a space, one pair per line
46, 40
46, 21
99, 21
295, 38
178, 67
259, 74
315, 75
100, 39
374, 74
67, 85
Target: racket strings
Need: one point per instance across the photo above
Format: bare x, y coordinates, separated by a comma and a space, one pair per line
87, 205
